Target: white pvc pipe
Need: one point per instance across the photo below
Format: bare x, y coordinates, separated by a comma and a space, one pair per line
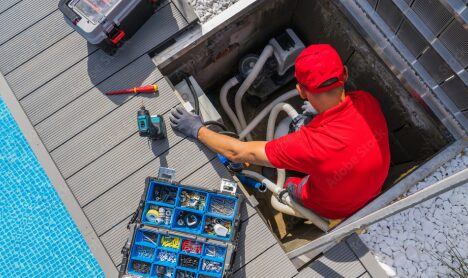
292, 113
266, 53
276, 190
277, 205
265, 112
224, 103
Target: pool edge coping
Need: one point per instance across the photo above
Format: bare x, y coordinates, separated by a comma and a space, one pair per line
61, 187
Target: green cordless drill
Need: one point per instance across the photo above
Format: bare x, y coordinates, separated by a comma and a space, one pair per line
152, 127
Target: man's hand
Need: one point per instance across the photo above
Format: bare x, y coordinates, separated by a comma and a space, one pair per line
185, 122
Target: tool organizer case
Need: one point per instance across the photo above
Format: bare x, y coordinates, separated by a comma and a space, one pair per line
107, 23
166, 247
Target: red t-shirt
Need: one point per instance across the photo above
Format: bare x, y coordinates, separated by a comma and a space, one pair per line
344, 150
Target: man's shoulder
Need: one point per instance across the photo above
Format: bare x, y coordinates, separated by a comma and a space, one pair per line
363, 97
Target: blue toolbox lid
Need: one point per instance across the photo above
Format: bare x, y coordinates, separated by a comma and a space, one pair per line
183, 231
190, 210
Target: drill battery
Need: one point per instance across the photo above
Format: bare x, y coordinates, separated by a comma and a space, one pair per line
107, 23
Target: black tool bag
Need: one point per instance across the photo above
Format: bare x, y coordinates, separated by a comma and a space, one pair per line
107, 23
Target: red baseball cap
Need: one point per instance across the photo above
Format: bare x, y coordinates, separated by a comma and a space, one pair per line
317, 64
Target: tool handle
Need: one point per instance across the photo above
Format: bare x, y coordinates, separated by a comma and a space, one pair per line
146, 89
136, 90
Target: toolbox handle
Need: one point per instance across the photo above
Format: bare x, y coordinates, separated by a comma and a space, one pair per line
68, 12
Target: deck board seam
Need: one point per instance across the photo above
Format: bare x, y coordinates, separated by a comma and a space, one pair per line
40, 52
52, 78
27, 27
95, 122
90, 89
254, 258
10, 7
131, 173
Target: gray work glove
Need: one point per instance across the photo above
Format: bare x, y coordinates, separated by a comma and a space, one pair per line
308, 109
185, 122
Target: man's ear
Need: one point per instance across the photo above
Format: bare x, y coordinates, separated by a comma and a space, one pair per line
345, 74
302, 93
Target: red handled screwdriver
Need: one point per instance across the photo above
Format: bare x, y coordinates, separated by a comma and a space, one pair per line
136, 90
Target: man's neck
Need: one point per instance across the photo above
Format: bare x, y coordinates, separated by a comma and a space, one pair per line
329, 104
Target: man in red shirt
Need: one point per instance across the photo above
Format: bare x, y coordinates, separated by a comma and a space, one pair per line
343, 150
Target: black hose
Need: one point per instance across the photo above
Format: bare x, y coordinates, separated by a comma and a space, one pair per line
218, 124
196, 103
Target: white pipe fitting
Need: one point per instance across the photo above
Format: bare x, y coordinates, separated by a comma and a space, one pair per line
265, 112
266, 53
287, 200
292, 113
277, 205
224, 102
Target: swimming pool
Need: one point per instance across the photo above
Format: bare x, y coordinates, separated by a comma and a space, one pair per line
38, 238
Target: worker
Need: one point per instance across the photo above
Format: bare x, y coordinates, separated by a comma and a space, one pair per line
344, 150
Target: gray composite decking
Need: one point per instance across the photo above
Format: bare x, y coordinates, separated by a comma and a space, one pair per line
88, 142
59, 81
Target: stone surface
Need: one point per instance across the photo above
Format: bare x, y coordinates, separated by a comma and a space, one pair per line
207, 9
413, 242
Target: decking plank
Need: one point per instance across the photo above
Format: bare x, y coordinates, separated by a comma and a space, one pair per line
48, 64
6, 4
255, 238
57, 129
339, 261
93, 70
32, 41
115, 239
271, 263
109, 131
116, 165
21, 16
120, 201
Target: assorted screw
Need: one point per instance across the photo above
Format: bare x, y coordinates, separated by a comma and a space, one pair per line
143, 251
185, 274
162, 271
150, 237
194, 200
165, 256
141, 267
170, 241
222, 206
211, 222
214, 251
165, 194
188, 261
190, 246
210, 266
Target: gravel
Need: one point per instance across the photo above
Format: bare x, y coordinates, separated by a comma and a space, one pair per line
411, 243
207, 9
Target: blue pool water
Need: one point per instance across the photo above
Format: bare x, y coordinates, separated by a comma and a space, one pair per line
38, 238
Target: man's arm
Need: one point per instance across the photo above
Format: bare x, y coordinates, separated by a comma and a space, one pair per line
234, 149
